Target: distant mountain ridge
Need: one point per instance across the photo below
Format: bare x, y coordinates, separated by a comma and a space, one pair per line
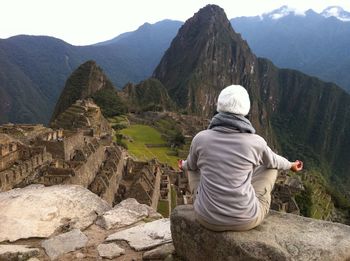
316, 44
35, 68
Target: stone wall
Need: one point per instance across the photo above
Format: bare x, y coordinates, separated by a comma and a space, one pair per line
85, 173
8, 154
106, 182
62, 144
12, 176
156, 187
72, 141
142, 181
56, 148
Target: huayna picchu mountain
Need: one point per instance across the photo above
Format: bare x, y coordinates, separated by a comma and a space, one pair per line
89, 81
302, 116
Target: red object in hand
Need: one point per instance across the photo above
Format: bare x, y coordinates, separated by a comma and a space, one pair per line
300, 164
179, 164
297, 166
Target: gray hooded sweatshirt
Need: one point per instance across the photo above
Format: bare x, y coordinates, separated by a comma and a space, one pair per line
226, 160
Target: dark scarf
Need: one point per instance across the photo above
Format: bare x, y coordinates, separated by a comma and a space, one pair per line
232, 121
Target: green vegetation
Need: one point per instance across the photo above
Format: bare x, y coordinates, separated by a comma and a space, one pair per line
315, 201
323, 189
109, 102
168, 127
163, 208
148, 95
120, 119
139, 136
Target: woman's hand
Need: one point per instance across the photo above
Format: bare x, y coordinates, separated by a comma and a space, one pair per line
179, 164
297, 166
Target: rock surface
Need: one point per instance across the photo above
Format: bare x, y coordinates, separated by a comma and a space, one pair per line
127, 212
38, 211
110, 250
159, 253
17, 252
145, 236
64, 243
280, 237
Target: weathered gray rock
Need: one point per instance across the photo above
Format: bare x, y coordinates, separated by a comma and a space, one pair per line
280, 237
145, 236
79, 255
110, 250
127, 212
64, 243
37, 211
159, 253
17, 252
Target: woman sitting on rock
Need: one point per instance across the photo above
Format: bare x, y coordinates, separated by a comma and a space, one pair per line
232, 170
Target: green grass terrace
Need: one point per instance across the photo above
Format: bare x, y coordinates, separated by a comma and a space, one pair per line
146, 143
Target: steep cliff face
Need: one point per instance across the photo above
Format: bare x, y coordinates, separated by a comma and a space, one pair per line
148, 95
84, 82
301, 115
205, 56
313, 117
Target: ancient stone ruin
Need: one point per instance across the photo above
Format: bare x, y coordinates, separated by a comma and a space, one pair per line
79, 150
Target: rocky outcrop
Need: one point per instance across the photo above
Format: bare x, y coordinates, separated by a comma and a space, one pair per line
59, 223
38, 211
280, 237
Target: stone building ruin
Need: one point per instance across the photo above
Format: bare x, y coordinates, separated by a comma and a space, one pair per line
78, 149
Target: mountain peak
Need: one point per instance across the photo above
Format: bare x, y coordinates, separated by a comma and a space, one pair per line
281, 12
207, 15
204, 57
86, 80
337, 12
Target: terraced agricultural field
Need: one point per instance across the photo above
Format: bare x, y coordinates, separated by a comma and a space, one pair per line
139, 136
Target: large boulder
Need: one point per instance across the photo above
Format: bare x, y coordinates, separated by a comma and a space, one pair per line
38, 211
280, 237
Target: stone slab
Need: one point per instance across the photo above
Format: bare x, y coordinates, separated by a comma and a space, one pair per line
159, 253
280, 237
145, 236
64, 243
110, 250
38, 211
17, 252
127, 212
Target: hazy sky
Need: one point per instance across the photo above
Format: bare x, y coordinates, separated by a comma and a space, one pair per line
82, 22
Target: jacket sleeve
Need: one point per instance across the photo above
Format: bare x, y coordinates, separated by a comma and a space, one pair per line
191, 162
274, 161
